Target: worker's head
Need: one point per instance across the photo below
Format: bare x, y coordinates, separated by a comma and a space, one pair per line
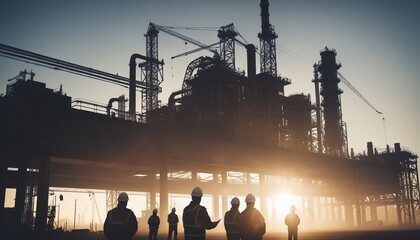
235, 202
173, 210
196, 194
123, 199
292, 208
155, 211
250, 200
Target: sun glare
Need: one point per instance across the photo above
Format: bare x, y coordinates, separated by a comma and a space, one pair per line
283, 201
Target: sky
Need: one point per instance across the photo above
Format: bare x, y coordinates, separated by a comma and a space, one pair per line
377, 43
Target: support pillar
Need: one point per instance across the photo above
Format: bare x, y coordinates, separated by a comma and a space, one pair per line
348, 208
311, 209
42, 195
164, 205
20, 192
152, 200
340, 213
216, 205
358, 214
224, 192
263, 196
194, 178
373, 213
216, 208
363, 213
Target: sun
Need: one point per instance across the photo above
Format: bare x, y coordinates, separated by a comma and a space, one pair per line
282, 203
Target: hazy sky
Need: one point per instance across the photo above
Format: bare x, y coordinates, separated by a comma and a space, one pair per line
376, 41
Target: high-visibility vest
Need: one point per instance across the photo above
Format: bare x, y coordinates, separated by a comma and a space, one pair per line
172, 219
153, 221
117, 222
192, 227
231, 223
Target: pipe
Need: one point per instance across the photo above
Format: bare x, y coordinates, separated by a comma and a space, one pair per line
171, 104
132, 80
251, 63
252, 72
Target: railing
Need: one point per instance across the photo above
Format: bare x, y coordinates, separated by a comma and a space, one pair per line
91, 106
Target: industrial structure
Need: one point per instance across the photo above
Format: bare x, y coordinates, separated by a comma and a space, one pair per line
241, 130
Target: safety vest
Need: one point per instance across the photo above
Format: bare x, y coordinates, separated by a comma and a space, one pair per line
121, 222
192, 227
118, 224
231, 223
173, 219
154, 221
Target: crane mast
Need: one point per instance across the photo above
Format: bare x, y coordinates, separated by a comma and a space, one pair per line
268, 62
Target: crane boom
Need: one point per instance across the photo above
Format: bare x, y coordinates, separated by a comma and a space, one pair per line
180, 36
349, 85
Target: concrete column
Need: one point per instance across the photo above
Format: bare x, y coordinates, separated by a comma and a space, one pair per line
164, 205
225, 198
263, 196
42, 195
373, 213
348, 208
311, 214
216, 207
194, 178
20, 191
363, 213
358, 214
399, 217
340, 213
152, 200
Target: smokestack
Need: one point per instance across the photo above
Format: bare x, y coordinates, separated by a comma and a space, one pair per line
265, 22
370, 148
250, 53
397, 147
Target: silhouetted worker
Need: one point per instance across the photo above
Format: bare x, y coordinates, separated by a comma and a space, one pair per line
251, 222
120, 222
196, 219
173, 225
292, 221
231, 221
154, 223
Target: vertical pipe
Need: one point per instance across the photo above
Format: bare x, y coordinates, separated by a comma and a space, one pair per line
132, 86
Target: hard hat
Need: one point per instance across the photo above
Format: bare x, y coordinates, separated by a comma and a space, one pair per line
235, 201
123, 197
155, 211
197, 192
173, 209
250, 198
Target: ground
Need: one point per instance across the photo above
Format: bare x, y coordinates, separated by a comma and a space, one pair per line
408, 234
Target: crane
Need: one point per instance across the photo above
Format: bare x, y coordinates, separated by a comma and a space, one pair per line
352, 88
168, 30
